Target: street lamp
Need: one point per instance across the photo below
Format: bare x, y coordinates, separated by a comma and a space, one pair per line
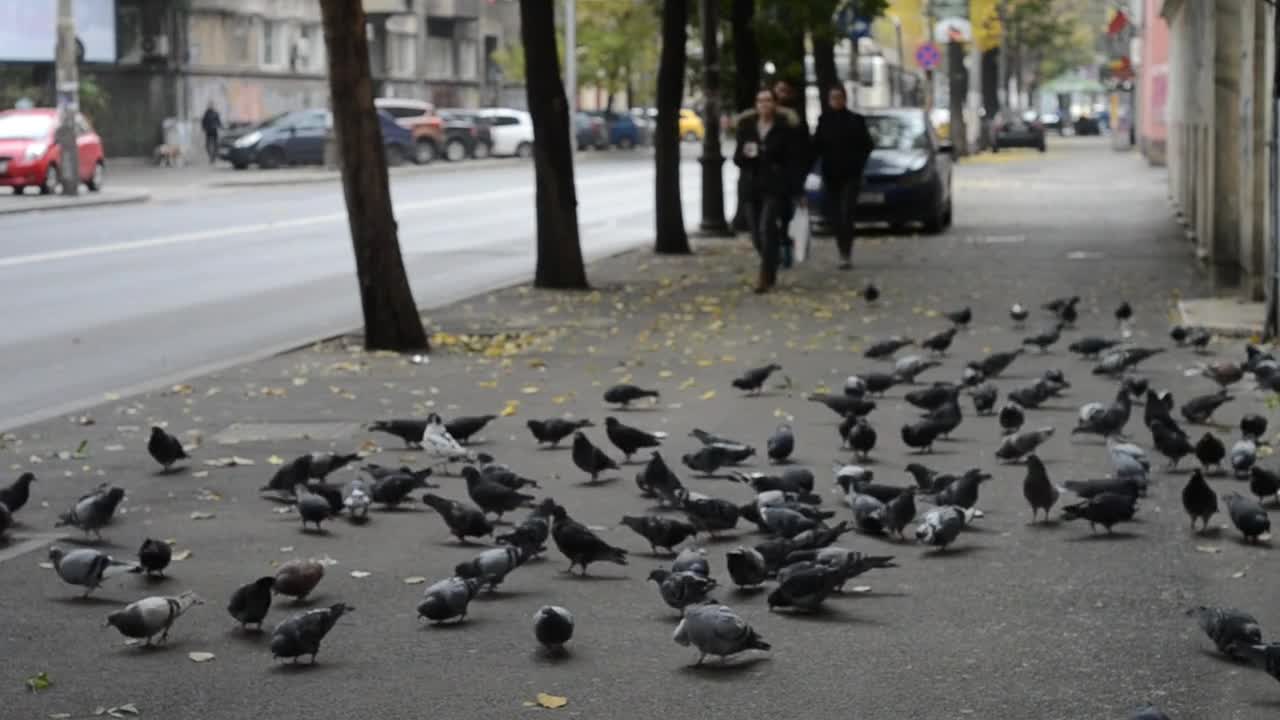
897, 29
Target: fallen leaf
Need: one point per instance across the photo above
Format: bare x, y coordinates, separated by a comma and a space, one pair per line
126, 709
113, 448
415, 580
275, 460
861, 589
326, 560
200, 474
59, 716
39, 681
299, 381
1211, 549
708, 394
665, 373
1238, 574
552, 702
200, 657
182, 555
286, 549
201, 515
360, 574
530, 389
46, 565
510, 408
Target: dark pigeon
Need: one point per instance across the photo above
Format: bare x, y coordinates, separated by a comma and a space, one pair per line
1106, 509
1040, 492
15, 496
580, 545
493, 497
165, 448
753, 379
553, 430
589, 458
624, 394
463, 428
301, 634
660, 532
1248, 516
463, 520
628, 439
410, 431
1199, 500
249, 603
154, 556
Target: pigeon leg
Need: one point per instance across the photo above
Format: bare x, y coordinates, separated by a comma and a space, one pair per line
701, 656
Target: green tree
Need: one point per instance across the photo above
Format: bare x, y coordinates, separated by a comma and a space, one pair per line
615, 39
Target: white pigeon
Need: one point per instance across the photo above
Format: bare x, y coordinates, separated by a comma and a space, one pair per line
438, 443
357, 501
716, 630
153, 615
88, 567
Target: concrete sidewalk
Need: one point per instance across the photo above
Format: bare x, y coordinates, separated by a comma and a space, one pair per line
1073, 627
11, 204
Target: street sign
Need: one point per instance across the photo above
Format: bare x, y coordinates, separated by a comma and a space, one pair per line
860, 28
927, 56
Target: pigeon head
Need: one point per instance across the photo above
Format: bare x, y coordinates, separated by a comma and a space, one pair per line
484, 458
547, 506
659, 574
611, 422
157, 431
26, 478
265, 582
470, 474
559, 513
337, 610
115, 495
924, 533
55, 555
434, 419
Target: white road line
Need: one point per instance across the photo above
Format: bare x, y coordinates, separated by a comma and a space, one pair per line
265, 227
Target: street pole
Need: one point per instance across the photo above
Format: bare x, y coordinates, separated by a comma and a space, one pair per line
571, 66
902, 63
713, 220
956, 84
68, 91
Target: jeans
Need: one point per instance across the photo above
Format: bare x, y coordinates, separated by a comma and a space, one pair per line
840, 202
766, 217
211, 147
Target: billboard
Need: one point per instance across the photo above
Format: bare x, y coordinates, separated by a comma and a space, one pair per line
29, 29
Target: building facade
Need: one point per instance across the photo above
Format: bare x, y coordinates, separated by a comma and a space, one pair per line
252, 59
1152, 83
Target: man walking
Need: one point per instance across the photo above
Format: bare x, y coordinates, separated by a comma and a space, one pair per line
789, 99
843, 144
211, 123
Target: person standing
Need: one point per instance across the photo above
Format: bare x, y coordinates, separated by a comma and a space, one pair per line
843, 144
211, 123
789, 99
771, 170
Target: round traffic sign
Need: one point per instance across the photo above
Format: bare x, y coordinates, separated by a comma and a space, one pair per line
927, 56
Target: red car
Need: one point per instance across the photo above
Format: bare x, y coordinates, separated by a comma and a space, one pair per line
30, 155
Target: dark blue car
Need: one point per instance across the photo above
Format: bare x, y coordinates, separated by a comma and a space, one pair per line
623, 131
298, 138
907, 178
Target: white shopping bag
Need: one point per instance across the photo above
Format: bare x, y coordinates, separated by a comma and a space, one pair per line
798, 230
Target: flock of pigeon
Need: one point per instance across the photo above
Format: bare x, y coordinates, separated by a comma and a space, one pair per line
800, 556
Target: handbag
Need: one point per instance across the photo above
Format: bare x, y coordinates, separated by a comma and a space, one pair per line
798, 231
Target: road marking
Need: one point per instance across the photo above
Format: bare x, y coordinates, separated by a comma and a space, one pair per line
401, 210
33, 542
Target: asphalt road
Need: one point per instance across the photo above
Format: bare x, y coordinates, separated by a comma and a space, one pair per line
119, 298
1014, 622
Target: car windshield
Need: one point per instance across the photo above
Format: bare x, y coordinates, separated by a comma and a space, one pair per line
898, 132
273, 120
25, 127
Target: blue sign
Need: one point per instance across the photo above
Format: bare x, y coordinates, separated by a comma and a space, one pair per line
927, 56
860, 28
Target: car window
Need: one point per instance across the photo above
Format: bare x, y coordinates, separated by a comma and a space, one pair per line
505, 120
898, 132
25, 127
312, 120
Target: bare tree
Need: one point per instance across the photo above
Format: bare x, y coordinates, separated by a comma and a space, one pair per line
559, 250
713, 222
391, 320
672, 237
746, 71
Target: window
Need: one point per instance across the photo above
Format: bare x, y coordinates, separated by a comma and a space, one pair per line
312, 120
440, 48
898, 132
271, 54
239, 47
401, 54
505, 120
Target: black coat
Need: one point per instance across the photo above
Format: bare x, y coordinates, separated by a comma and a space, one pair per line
843, 143
781, 162
211, 122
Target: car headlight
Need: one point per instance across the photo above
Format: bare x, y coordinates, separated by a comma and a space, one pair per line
249, 140
918, 164
35, 151
812, 183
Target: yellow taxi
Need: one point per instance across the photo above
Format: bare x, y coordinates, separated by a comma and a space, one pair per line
691, 127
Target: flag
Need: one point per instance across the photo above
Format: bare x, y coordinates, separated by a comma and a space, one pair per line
1119, 21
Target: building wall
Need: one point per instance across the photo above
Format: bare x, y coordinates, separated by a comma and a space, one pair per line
1153, 84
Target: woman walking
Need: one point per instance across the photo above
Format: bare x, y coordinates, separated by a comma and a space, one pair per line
770, 156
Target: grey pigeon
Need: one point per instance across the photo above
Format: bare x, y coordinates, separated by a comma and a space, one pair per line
87, 567
753, 379
1088, 347
710, 515
984, 398
657, 479
786, 522
1044, 340
1105, 420
249, 603
804, 586
463, 520
907, 369
692, 560
93, 511
716, 630
553, 430
746, 566
1014, 447
165, 448
1244, 453
886, 348
321, 465
492, 566
931, 397
899, 512
941, 526
992, 365
1040, 492
288, 476
532, 533
1128, 460
1199, 410
782, 443
154, 556
1229, 629
151, 616
681, 589
15, 496
659, 531
868, 513
625, 394
312, 508
589, 458
849, 563
580, 545
707, 460
963, 492
1248, 516
1105, 509
843, 405
301, 634
630, 440
553, 627
1199, 500
448, 599
297, 578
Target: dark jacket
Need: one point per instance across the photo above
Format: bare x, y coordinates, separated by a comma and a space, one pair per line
211, 122
781, 162
843, 144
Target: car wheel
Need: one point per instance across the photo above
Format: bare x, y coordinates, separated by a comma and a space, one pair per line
98, 177
51, 180
455, 151
425, 152
691, 136
481, 151
937, 221
1041, 147
271, 158
625, 143
524, 150
19, 189
946, 215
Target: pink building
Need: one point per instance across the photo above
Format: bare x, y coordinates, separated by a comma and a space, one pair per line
1153, 83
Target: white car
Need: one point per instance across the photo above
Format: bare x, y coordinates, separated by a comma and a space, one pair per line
512, 131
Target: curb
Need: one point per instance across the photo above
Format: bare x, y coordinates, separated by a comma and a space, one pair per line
87, 201
1223, 317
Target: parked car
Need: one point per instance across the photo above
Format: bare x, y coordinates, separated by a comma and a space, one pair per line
644, 124
589, 131
907, 178
1053, 121
419, 118
469, 135
621, 129
512, 131
1085, 125
691, 127
298, 138
1012, 130
31, 157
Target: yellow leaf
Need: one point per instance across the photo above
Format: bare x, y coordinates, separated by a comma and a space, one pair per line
665, 373
727, 359
414, 580
275, 460
510, 409
706, 362
560, 399
200, 657
688, 384
299, 381
487, 384
552, 702
530, 389
360, 574
708, 394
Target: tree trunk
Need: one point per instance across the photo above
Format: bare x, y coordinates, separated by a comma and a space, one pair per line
746, 72
713, 222
672, 238
824, 65
391, 320
559, 262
